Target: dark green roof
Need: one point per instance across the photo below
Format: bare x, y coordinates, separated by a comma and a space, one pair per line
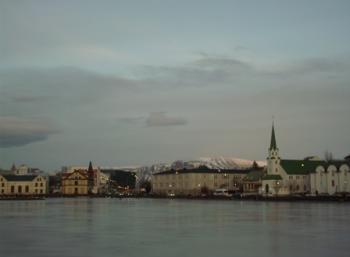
254, 175
272, 177
273, 144
300, 167
19, 177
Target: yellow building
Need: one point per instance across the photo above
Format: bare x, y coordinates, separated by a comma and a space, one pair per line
22, 185
75, 183
194, 182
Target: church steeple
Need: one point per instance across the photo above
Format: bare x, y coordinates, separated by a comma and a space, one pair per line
273, 144
273, 158
90, 169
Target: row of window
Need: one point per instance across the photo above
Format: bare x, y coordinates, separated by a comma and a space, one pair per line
297, 177
20, 190
36, 185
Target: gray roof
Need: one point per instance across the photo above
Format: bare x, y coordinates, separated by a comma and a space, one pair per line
19, 177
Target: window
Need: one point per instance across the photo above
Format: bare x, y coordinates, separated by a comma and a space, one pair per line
290, 177
27, 189
19, 189
297, 177
41, 191
333, 184
76, 190
76, 183
36, 184
12, 189
298, 187
2, 184
41, 184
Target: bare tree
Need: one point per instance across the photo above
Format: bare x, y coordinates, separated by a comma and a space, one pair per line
328, 156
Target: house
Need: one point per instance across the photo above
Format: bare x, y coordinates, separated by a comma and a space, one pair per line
252, 182
75, 183
83, 181
22, 185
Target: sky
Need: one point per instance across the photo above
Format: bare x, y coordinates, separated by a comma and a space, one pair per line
140, 82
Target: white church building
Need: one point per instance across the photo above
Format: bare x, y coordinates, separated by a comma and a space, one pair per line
308, 176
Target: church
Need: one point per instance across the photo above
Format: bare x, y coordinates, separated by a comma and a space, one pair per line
309, 176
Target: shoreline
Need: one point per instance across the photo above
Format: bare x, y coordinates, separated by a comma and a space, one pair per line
258, 198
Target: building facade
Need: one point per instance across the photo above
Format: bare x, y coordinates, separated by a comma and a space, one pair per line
195, 182
75, 183
23, 185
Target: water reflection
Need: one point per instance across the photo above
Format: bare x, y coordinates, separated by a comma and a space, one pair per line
145, 227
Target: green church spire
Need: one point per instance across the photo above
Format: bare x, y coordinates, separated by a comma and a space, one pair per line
273, 144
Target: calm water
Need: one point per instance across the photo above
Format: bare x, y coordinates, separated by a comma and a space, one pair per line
152, 228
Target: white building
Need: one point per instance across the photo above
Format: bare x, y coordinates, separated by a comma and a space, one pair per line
288, 177
23, 185
194, 182
330, 178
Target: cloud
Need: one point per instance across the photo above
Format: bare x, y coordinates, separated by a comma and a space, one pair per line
131, 120
28, 99
160, 119
19, 132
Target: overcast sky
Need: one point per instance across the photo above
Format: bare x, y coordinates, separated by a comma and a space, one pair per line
137, 82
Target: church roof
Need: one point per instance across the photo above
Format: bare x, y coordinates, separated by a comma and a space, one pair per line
301, 167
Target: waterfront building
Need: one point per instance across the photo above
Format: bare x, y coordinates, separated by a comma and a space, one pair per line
22, 185
252, 182
198, 181
330, 178
116, 180
307, 176
75, 183
83, 181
